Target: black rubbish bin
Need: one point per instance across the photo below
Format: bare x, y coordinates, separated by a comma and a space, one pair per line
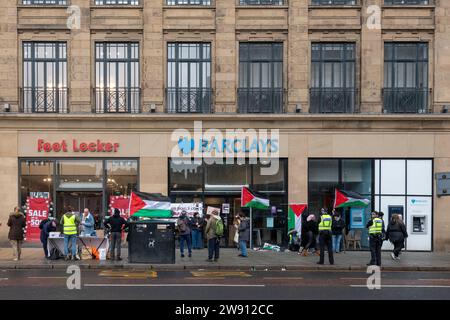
151, 241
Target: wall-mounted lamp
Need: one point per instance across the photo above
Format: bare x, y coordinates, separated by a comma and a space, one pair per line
445, 109
298, 108
6, 107
153, 108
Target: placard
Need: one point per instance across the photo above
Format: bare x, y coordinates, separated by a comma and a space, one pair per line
122, 203
37, 211
356, 218
190, 208
210, 210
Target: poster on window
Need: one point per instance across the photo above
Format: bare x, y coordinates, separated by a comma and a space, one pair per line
356, 218
37, 210
122, 203
190, 208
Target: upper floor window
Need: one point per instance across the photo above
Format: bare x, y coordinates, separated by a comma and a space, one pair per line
405, 77
117, 77
117, 2
45, 2
189, 77
189, 2
44, 77
408, 2
260, 77
334, 2
262, 2
333, 78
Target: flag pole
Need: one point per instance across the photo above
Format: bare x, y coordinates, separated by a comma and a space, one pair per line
251, 228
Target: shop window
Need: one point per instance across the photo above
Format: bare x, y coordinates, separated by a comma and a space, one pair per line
272, 182
357, 176
226, 176
323, 178
186, 177
77, 174
121, 177
36, 179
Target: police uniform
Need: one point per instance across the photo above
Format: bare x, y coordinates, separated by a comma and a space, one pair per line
325, 238
376, 230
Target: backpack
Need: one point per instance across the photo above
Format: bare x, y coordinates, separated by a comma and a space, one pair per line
219, 228
55, 254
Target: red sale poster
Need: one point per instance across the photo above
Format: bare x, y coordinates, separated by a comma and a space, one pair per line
122, 203
37, 210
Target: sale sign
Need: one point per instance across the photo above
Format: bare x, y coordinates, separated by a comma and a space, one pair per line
122, 203
37, 210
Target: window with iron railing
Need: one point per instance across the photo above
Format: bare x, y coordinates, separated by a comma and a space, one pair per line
44, 77
189, 2
405, 77
333, 78
45, 2
334, 2
116, 2
189, 78
408, 2
262, 2
117, 77
260, 78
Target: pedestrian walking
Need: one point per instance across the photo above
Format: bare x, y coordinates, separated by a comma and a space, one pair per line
214, 230
184, 225
376, 232
244, 234
87, 223
116, 224
396, 233
325, 237
311, 231
70, 223
48, 225
337, 228
197, 232
16, 224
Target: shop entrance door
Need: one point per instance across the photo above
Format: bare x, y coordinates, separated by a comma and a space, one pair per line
78, 201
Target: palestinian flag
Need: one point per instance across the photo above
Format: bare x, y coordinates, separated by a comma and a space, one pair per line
344, 199
295, 216
150, 205
251, 199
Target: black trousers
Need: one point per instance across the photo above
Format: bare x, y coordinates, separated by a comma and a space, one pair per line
310, 243
116, 243
375, 243
325, 240
44, 245
398, 246
213, 249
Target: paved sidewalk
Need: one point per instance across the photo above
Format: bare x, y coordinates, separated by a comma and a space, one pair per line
32, 258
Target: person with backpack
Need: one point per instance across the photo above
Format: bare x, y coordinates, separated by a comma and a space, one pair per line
396, 233
184, 226
244, 234
214, 230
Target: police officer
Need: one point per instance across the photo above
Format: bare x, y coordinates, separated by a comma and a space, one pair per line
325, 236
376, 232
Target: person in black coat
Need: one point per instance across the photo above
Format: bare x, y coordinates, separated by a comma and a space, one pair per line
396, 233
46, 226
116, 224
311, 230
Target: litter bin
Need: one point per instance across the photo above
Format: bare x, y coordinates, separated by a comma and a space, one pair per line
151, 241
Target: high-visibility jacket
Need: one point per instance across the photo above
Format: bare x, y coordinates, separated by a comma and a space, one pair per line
376, 227
70, 226
325, 223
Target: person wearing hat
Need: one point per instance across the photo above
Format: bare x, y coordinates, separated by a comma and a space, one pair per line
325, 236
184, 226
376, 236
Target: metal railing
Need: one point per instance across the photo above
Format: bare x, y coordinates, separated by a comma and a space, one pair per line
333, 100
189, 100
45, 2
334, 2
262, 2
116, 2
189, 2
409, 2
260, 100
406, 100
44, 100
117, 100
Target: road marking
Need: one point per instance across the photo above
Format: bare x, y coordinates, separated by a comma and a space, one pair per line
353, 278
220, 274
205, 278
128, 274
3, 279
47, 277
434, 279
175, 285
282, 278
402, 286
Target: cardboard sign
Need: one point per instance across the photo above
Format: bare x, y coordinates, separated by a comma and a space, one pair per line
190, 208
210, 210
122, 203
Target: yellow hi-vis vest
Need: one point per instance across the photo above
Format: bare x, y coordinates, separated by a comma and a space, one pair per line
70, 226
376, 227
325, 224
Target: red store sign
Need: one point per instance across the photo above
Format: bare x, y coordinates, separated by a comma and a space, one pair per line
76, 146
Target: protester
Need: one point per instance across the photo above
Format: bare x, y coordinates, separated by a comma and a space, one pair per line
48, 226
236, 223
87, 224
197, 232
311, 230
325, 237
184, 225
337, 228
16, 224
376, 232
244, 234
116, 225
70, 223
213, 235
396, 233
294, 241
107, 233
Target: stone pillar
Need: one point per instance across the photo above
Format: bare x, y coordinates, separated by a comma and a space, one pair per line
9, 92
371, 57
79, 66
442, 56
298, 56
153, 57
225, 57
441, 219
153, 175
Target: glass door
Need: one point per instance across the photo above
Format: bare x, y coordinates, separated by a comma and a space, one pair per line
77, 201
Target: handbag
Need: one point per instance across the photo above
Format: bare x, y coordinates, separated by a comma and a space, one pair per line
236, 236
